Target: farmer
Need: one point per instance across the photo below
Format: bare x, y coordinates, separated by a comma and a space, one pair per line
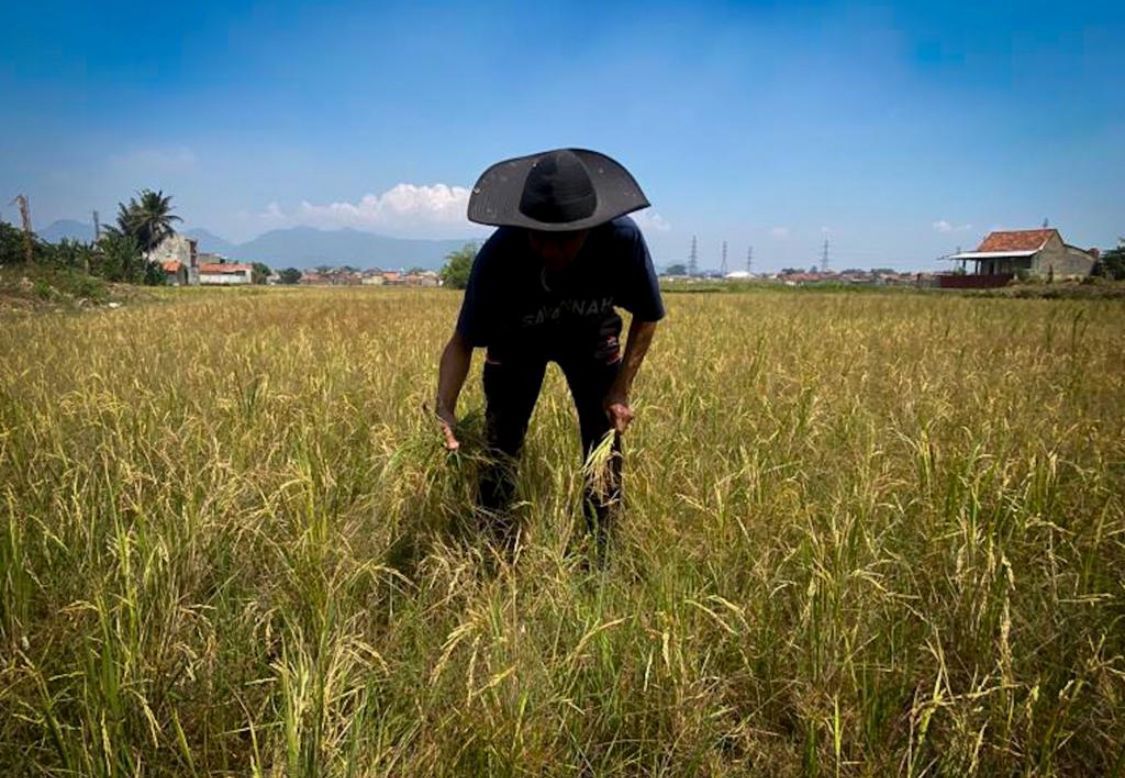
544, 288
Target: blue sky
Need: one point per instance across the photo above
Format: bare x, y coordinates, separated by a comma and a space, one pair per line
896, 131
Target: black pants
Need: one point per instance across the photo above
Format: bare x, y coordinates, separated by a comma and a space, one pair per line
511, 388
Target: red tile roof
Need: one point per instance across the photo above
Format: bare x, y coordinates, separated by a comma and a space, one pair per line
172, 266
1016, 240
225, 267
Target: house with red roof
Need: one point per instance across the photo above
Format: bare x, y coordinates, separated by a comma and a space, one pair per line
1041, 253
225, 273
185, 265
180, 253
175, 272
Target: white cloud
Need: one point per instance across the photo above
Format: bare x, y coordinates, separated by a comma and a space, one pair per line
403, 207
779, 232
650, 221
432, 210
272, 214
941, 225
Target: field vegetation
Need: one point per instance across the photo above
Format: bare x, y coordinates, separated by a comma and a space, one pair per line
866, 535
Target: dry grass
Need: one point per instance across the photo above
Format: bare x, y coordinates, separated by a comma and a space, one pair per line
866, 535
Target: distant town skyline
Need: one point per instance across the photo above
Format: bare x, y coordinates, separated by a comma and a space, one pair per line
897, 133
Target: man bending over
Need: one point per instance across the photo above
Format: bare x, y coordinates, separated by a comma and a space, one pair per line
544, 288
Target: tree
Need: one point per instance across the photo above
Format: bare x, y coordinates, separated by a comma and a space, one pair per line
260, 272
73, 254
676, 270
458, 265
119, 258
290, 275
1112, 263
154, 274
147, 220
13, 246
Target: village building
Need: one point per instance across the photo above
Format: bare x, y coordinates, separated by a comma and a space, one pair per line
178, 248
1041, 253
226, 273
424, 278
185, 265
346, 276
175, 272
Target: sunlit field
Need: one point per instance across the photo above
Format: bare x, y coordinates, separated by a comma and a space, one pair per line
878, 534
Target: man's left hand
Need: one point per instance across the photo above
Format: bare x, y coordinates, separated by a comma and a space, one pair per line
618, 410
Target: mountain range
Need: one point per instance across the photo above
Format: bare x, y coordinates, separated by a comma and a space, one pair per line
303, 247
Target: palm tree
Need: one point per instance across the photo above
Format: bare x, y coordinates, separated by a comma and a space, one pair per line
149, 220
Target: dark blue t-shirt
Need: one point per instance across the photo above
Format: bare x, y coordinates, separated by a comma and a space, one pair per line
513, 306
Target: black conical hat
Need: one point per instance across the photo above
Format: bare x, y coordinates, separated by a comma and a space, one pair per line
555, 191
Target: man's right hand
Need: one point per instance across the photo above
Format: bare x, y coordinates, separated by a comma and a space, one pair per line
447, 421
454, 367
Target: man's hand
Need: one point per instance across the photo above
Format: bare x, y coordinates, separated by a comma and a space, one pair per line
618, 410
447, 421
616, 402
454, 367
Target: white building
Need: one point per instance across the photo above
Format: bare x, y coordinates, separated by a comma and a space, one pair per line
226, 273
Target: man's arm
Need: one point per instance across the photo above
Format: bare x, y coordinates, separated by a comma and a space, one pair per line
617, 399
454, 367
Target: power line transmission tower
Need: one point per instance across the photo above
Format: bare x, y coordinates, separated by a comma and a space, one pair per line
824, 258
723, 264
25, 216
97, 228
749, 258
693, 259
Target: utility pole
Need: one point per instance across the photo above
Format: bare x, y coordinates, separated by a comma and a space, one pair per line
824, 258
693, 259
749, 258
97, 237
723, 264
25, 216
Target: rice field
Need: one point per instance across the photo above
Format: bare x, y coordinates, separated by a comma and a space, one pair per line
878, 534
